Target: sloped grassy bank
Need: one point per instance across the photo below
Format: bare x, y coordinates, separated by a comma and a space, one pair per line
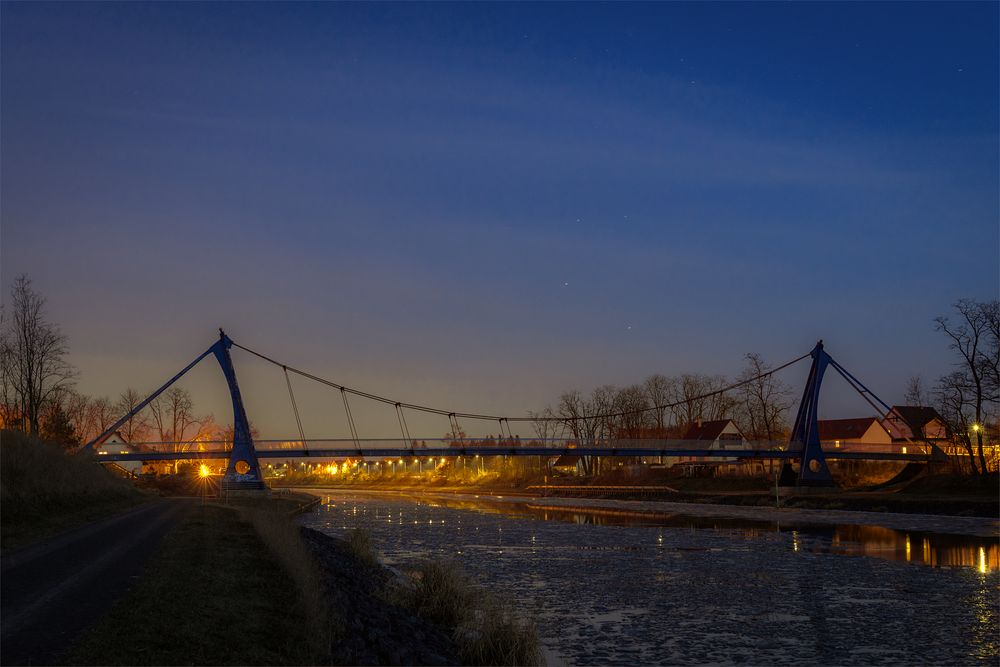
43, 490
243, 584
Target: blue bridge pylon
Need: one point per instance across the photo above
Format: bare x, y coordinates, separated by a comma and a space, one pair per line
813, 469
243, 470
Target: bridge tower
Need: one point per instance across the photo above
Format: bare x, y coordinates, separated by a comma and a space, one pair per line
242, 471
813, 469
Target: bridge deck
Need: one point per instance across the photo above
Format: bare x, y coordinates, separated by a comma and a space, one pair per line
434, 452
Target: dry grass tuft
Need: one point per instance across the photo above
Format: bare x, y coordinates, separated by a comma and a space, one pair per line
360, 541
495, 635
485, 627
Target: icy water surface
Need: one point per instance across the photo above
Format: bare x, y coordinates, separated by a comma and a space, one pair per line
614, 590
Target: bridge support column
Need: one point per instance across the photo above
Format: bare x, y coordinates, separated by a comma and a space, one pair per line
813, 469
243, 470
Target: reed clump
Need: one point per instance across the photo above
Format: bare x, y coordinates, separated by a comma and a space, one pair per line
485, 627
360, 542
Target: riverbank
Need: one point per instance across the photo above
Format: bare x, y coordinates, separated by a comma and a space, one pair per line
785, 515
243, 584
941, 495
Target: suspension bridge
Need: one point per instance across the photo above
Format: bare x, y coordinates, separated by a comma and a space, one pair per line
804, 460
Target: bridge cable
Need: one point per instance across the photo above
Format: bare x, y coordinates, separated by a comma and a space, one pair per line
868, 395
350, 418
564, 420
295, 409
456, 430
407, 442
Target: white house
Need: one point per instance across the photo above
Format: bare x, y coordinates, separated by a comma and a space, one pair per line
116, 444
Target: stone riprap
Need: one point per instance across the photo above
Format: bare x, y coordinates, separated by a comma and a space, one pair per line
375, 631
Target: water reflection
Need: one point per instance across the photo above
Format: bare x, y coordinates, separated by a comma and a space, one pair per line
931, 549
629, 588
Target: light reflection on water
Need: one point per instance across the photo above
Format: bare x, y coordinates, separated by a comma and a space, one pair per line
933, 549
609, 587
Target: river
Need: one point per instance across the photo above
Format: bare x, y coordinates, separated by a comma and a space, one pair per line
610, 587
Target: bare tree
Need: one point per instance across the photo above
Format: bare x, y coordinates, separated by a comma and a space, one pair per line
137, 427
633, 403
975, 338
915, 393
78, 410
953, 395
104, 414
659, 389
33, 366
174, 421
578, 414
691, 394
545, 425
764, 401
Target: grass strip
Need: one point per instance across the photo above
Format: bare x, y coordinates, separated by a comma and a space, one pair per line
213, 595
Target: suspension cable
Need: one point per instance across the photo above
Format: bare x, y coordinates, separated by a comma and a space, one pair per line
295, 409
470, 415
456, 430
868, 395
402, 426
350, 419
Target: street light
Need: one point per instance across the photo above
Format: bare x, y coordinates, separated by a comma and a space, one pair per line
204, 472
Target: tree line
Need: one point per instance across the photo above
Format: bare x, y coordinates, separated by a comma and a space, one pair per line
967, 398
38, 393
38, 388
667, 406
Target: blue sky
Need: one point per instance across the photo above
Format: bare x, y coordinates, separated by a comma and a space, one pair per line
479, 206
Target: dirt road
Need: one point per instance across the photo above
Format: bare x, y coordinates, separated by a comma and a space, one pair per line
51, 592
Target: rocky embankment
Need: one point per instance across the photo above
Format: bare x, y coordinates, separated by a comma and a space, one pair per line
375, 630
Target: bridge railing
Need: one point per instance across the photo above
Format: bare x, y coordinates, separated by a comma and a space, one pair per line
370, 448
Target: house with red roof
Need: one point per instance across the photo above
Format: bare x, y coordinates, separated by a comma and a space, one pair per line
862, 433
916, 423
